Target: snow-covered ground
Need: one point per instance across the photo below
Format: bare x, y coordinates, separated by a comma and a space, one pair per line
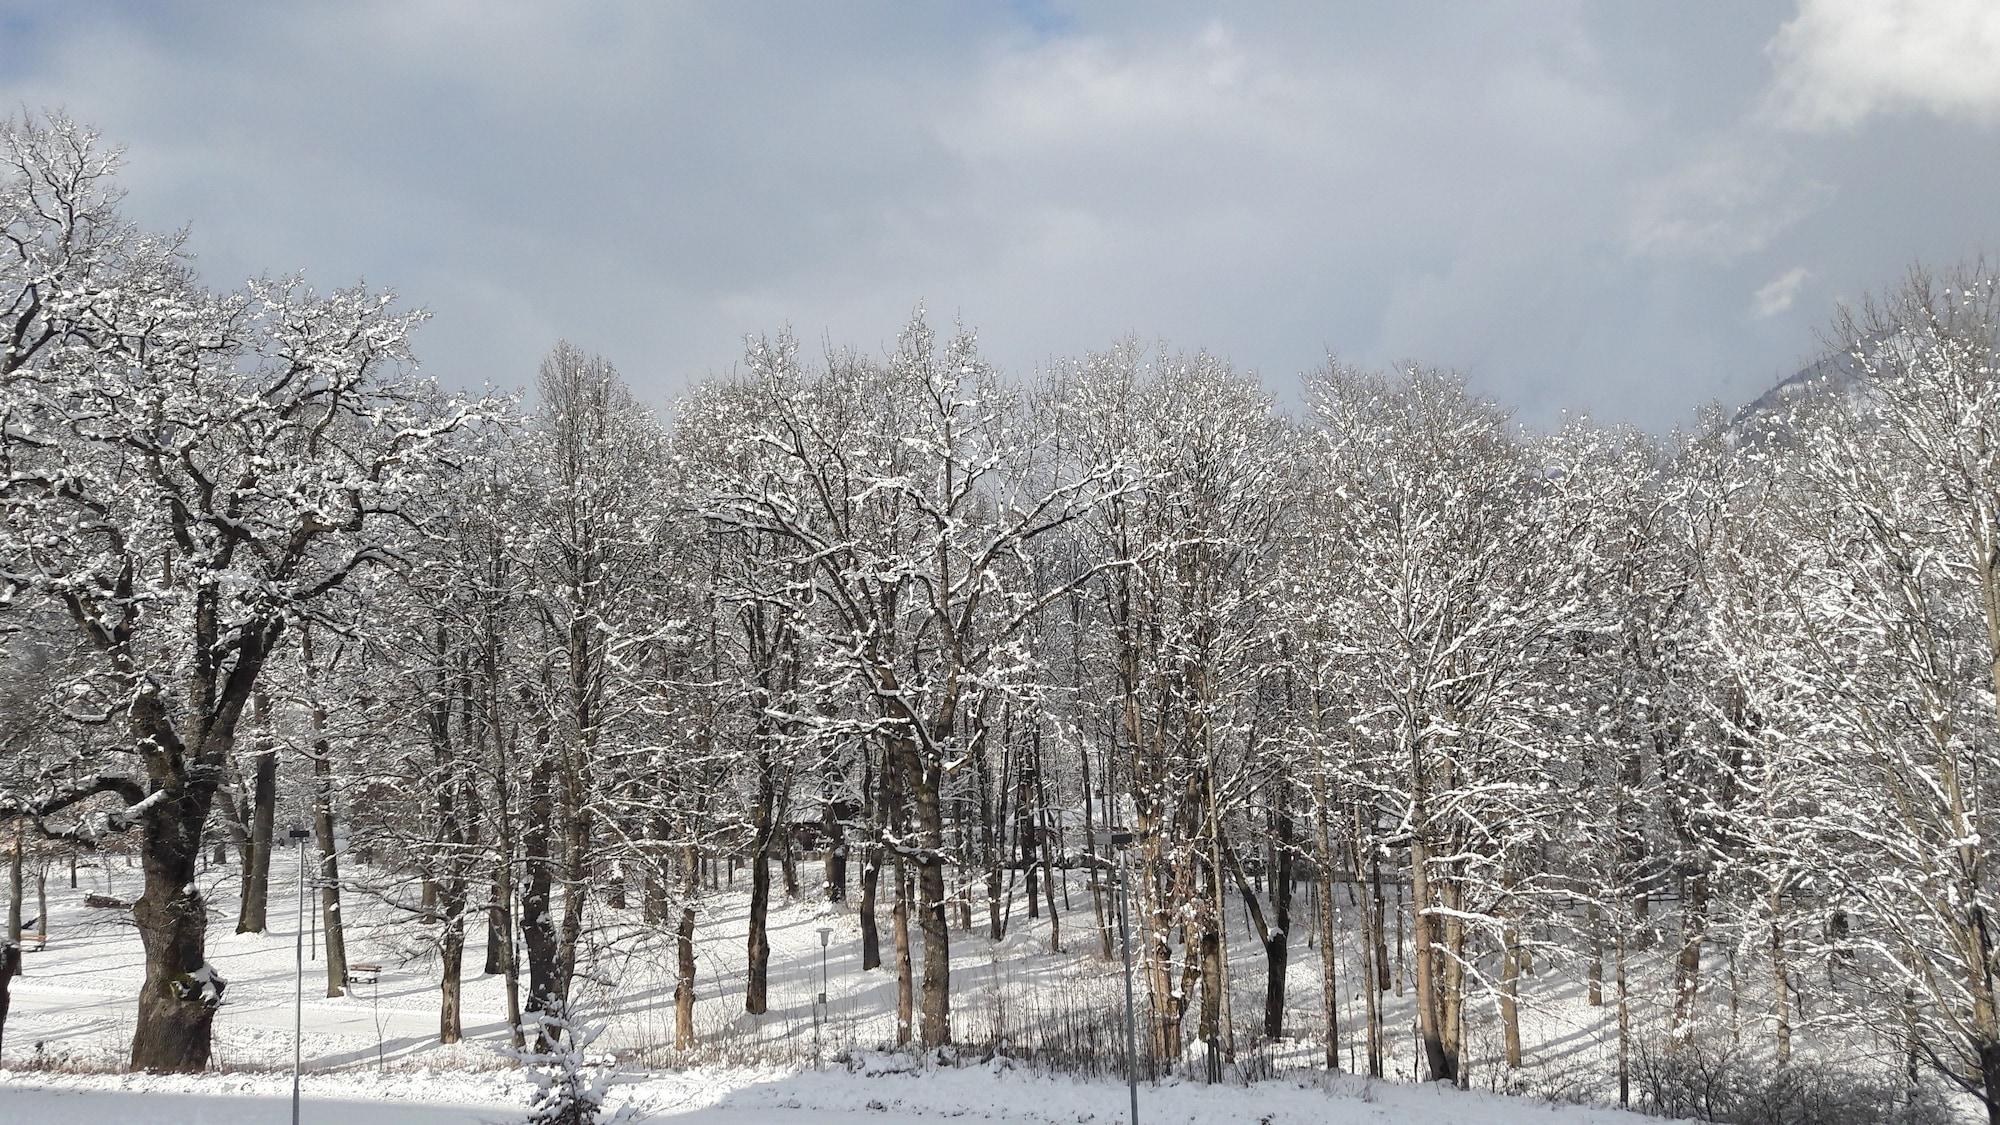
73, 1011
745, 1096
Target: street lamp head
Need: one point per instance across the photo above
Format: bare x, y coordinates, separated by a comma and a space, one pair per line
825, 935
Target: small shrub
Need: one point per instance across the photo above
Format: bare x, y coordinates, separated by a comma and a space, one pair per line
570, 1078
1716, 1083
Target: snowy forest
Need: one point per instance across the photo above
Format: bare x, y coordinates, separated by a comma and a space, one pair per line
1348, 671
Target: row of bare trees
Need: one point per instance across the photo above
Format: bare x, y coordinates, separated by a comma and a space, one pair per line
543, 668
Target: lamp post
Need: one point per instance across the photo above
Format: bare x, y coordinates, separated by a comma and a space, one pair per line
299, 971
819, 1006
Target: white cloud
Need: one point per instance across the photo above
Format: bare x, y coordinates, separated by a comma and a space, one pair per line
1729, 200
1839, 62
1563, 199
1779, 293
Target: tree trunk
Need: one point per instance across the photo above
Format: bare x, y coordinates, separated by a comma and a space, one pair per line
497, 922
1510, 995
1222, 1044
788, 863
1328, 954
1687, 962
763, 834
993, 824
756, 984
835, 826
900, 923
1432, 1016
513, 982
871, 864
10, 967
1026, 848
323, 831
576, 819
1277, 946
1380, 934
263, 811
15, 887
1624, 1022
1735, 1001
1372, 952
871, 937
178, 1000
684, 963
329, 878
547, 988
961, 887
1781, 988
1596, 971
1047, 839
1169, 1004
1211, 1000
451, 952
1989, 1075
919, 778
1097, 879
653, 908
935, 1029
1402, 969
614, 887
684, 966
1453, 992
1049, 884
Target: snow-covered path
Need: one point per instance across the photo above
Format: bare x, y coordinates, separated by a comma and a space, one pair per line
126, 1107
132, 1107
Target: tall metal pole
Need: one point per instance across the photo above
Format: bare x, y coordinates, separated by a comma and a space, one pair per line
1131, 1027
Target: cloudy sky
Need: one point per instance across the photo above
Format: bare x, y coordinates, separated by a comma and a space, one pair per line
1618, 208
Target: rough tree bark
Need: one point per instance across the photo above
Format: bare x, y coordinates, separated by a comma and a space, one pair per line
763, 832
10, 967
1432, 1017
324, 836
684, 964
16, 855
263, 812
900, 923
178, 1001
548, 988
834, 823
1277, 943
935, 1027
1047, 837
871, 864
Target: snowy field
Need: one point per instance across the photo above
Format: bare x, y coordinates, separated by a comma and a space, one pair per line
67, 1036
728, 1096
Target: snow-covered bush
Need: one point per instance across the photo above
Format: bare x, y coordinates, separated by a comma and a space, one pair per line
570, 1078
1707, 1082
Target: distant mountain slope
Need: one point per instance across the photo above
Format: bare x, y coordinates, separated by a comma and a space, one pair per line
1831, 374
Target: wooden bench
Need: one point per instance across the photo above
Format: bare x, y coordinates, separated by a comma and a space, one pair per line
34, 943
361, 972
